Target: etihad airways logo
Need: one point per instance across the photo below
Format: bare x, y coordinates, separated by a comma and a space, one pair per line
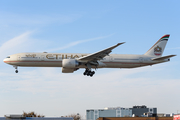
31, 55
63, 56
56, 56
158, 50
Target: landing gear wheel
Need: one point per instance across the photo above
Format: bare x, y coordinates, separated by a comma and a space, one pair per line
92, 73
86, 72
16, 67
89, 73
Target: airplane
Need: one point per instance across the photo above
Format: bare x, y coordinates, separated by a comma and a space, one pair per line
71, 62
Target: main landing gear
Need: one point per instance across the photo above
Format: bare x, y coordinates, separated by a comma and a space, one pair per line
16, 71
89, 73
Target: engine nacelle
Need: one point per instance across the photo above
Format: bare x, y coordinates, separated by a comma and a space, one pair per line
69, 63
68, 70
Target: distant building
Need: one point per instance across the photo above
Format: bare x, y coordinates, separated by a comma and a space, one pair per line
135, 111
139, 111
93, 114
136, 118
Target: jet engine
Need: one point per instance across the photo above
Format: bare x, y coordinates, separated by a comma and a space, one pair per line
68, 70
69, 65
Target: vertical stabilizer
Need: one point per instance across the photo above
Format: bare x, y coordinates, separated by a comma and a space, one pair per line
158, 48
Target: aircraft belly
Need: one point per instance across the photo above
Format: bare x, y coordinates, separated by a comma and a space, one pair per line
124, 65
52, 64
39, 63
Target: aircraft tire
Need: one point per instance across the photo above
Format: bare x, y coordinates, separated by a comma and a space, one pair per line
88, 73
91, 75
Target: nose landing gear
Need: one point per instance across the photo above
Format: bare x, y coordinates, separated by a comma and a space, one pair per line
89, 73
16, 71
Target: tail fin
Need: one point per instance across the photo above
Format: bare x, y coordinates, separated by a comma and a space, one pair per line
157, 49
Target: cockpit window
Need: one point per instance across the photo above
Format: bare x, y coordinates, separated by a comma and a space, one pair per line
8, 57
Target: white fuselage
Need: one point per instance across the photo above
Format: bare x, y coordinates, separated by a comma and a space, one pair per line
55, 60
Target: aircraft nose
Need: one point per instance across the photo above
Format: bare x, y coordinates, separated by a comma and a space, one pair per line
7, 60
4, 60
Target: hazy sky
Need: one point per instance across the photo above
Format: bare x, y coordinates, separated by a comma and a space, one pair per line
79, 26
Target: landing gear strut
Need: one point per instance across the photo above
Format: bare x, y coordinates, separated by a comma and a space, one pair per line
89, 73
16, 71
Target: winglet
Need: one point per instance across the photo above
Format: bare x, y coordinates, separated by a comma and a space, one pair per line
119, 44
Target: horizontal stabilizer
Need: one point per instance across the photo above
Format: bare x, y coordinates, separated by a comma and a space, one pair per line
164, 57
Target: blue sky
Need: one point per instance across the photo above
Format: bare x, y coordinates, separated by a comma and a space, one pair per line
86, 27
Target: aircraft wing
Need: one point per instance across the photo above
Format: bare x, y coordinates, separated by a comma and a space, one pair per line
99, 55
162, 58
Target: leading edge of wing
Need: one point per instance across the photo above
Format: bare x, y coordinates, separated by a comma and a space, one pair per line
99, 55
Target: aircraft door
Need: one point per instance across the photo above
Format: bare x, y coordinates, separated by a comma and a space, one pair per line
42, 57
18, 57
141, 60
110, 58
